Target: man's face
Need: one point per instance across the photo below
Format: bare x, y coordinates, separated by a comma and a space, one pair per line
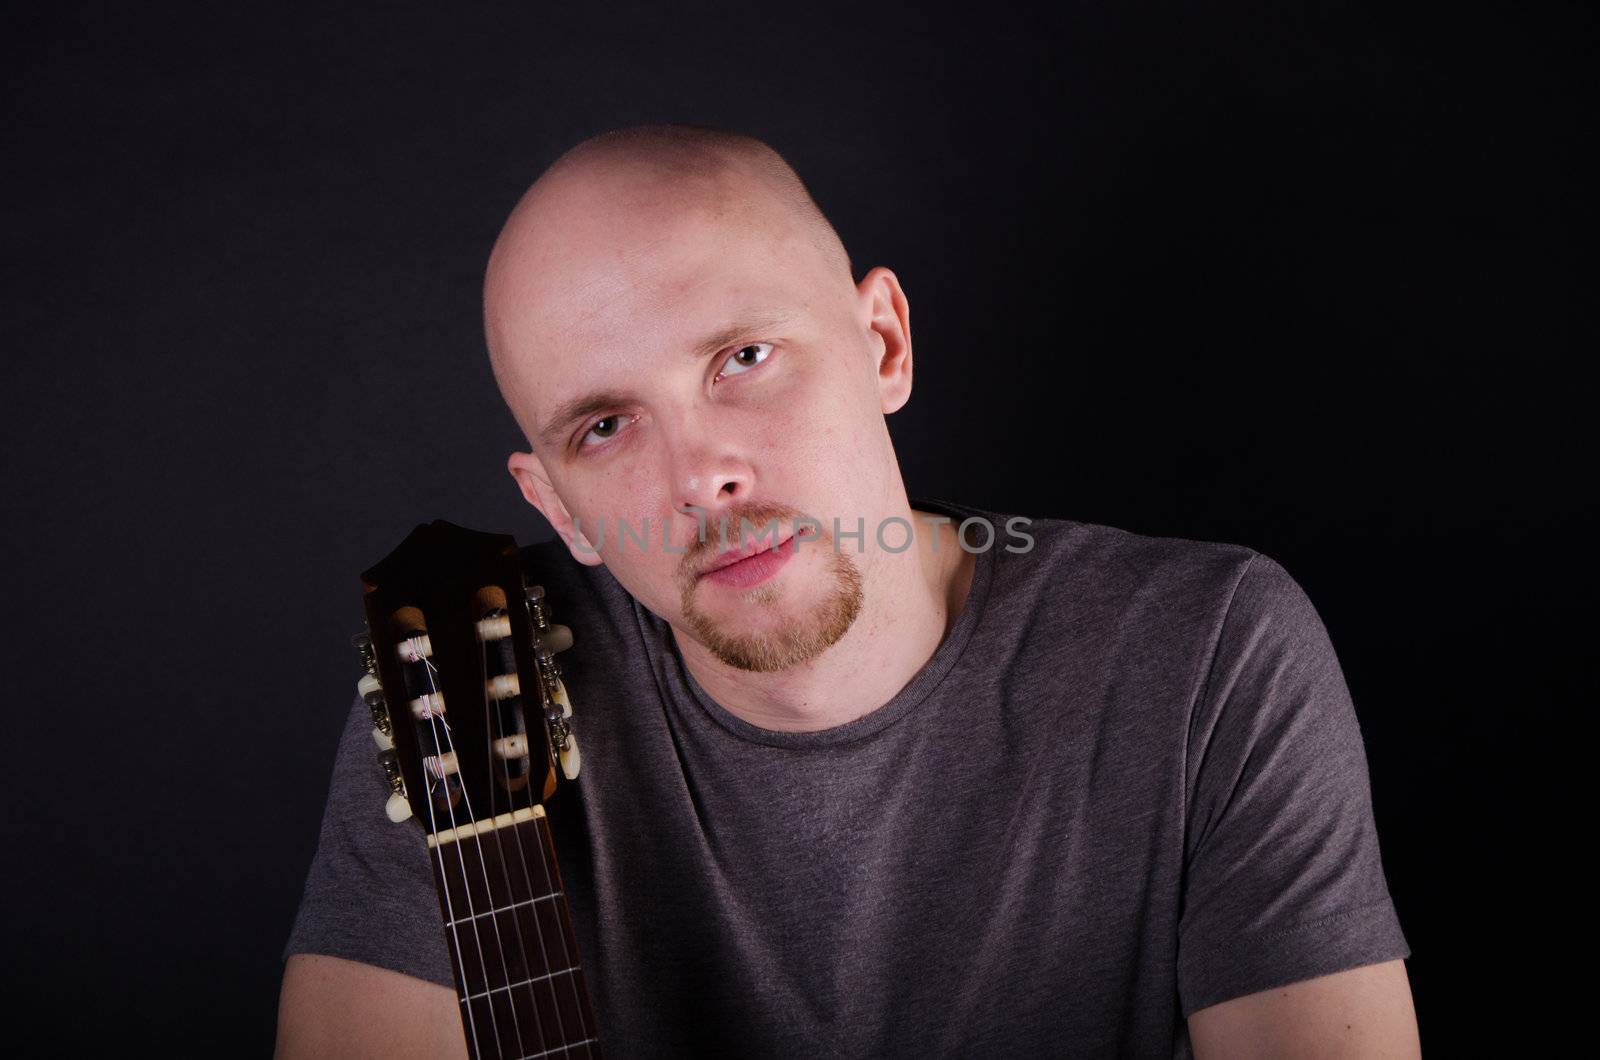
780, 418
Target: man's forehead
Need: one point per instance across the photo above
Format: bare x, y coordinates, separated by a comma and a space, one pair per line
665, 305
630, 334
621, 222
660, 291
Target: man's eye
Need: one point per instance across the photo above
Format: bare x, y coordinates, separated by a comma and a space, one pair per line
602, 429
745, 358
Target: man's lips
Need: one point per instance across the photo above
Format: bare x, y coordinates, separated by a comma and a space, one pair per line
734, 555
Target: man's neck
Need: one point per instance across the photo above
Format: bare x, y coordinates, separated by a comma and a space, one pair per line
905, 615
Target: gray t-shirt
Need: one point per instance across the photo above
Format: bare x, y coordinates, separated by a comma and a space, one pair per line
1129, 784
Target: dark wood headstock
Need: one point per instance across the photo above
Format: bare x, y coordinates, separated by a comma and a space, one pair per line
466, 685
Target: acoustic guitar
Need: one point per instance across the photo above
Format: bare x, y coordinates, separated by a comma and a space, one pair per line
473, 725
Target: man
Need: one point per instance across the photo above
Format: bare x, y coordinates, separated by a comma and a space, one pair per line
884, 789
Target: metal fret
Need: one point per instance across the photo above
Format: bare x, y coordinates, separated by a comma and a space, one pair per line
561, 1048
502, 909
525, 982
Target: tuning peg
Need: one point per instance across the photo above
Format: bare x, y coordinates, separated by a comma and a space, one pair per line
398, 807
558, 696
556, 638
369, 688
571, 760
362, 642
372, 695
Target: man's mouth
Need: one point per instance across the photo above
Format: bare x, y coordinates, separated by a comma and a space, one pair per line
734, 555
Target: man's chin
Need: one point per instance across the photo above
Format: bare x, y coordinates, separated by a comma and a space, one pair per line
763, 631
767, 653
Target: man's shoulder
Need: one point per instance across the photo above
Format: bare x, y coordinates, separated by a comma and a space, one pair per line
1102, 563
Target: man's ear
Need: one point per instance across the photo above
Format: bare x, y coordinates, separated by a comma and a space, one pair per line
887, 315
528, 471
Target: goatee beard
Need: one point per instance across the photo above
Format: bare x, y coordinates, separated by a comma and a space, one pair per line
803, 636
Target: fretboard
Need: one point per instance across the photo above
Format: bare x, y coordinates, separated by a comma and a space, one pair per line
515, 956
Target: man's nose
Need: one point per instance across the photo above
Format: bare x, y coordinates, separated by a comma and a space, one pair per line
709, 478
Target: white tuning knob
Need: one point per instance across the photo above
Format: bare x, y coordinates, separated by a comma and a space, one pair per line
398, 807
381, 738
559, 697
367, 684
571, 761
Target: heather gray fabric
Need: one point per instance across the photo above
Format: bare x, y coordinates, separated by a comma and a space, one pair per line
1129, 784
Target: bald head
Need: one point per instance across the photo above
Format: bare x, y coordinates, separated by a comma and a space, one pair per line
607, 214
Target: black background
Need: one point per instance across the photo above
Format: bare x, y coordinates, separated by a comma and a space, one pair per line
1312, 278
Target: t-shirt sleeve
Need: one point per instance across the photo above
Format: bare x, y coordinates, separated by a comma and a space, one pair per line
370, 895
1283, 879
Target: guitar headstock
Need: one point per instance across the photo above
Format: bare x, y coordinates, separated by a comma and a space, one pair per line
471, 717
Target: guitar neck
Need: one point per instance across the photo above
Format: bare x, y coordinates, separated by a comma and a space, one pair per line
512, 946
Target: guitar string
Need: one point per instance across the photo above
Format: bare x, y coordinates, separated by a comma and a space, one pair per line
570, 960
532, 891
435, 720
438, 850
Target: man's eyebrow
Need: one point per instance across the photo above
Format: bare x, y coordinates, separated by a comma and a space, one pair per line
579, 409
583, 407
754, 324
